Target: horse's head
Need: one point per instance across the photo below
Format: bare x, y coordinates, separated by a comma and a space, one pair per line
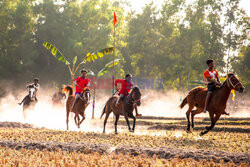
31, 91
86, 94
136, 95
234, 83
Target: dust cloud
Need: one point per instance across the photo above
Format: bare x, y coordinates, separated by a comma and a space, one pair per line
54, 117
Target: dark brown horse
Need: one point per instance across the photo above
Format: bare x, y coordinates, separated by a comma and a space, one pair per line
29, 101
217, 105
125, 108
79, 107
58, 98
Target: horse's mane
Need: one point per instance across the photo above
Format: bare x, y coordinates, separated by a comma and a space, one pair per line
227, 76
135, 88
67, 89
196, 89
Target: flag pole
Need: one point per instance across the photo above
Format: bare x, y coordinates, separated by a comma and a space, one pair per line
113, 77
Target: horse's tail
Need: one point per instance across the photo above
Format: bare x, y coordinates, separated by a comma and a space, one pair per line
103, 111
67, 89
183, 103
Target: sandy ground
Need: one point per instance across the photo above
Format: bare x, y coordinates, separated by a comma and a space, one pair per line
161, 152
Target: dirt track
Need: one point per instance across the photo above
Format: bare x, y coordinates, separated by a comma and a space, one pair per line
165, 153
161, 152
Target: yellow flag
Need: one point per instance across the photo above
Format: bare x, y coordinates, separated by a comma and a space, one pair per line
233, 92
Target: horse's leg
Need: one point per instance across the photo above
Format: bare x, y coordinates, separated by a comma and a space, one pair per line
116, 120
188, 117
83, 118
193, 113
75, 119
105, 121
126, 118
78, 120
24, 112
134, 119
67, 119
213, 121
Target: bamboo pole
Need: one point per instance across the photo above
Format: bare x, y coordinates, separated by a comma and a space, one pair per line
93, 110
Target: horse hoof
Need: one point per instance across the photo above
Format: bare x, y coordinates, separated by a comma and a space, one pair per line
116, 133
188, 131
131, 131
202, 133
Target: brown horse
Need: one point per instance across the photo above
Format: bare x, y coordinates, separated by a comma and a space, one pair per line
125, 108
217, 105
79, 107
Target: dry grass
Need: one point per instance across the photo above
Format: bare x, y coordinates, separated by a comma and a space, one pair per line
229, 142
214, 142
24, 157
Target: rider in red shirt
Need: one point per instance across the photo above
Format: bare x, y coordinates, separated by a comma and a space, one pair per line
126, 86
211, 80
81, 83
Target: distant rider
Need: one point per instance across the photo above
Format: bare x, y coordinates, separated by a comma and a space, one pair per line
36, 85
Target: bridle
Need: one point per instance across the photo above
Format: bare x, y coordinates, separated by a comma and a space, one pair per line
229, 82
132, 99
83, 98
31, 92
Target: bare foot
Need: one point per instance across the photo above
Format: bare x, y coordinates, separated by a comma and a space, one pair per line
138, 115
226, 113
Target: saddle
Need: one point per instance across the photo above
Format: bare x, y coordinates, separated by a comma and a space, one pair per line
124, 99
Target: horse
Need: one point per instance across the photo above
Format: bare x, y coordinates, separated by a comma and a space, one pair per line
58, 98
217, 105
125, 108
79, 107
29, 100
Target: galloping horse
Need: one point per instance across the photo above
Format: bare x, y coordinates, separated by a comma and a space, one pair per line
79, 107
217, 105
58, 98
29, 100
125, 108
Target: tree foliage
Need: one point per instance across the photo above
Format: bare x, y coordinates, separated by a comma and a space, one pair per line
171, 42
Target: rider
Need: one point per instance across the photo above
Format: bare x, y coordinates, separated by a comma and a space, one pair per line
81, 83
211, 79
58, 96
126, 86
36, 85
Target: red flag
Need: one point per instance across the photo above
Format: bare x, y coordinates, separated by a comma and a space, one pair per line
114, 21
